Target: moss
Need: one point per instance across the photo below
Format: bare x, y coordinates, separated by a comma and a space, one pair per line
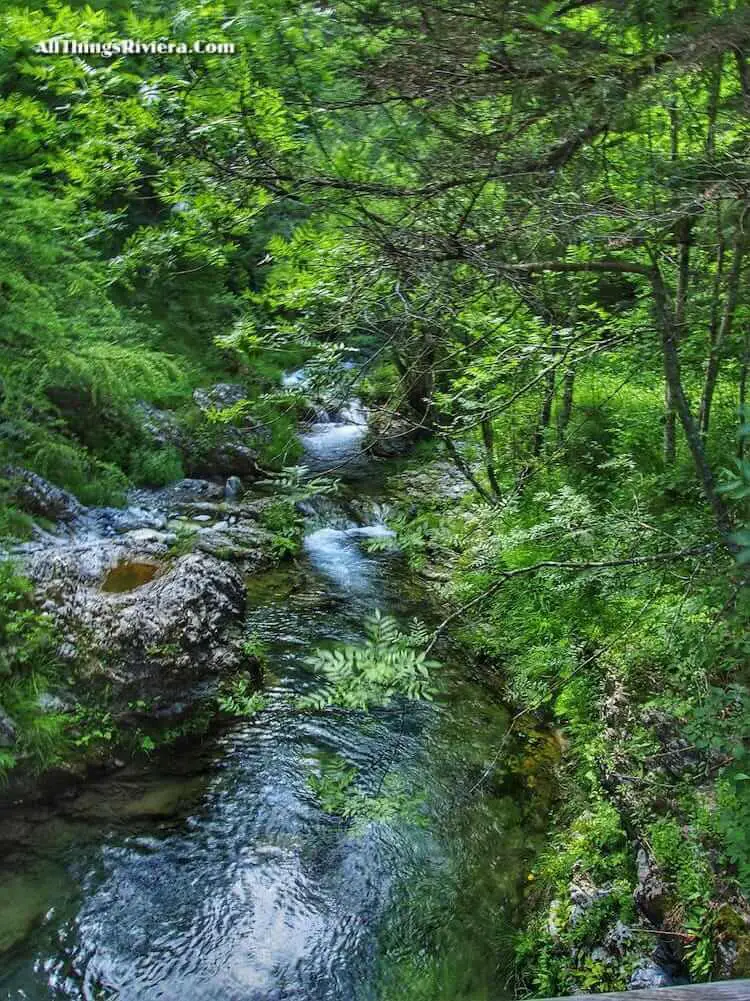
732, 931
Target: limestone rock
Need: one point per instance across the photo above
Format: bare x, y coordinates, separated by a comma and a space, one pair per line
233, 488
220, 396
162, 426
652, 894
649, 974
37, 496
157, 638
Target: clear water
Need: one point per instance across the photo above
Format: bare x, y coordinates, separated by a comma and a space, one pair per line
214, 875
129, 576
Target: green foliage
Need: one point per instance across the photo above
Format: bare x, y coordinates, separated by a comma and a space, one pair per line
157, 468
489, 217
282, 519
239, 698
295, 483
256, 650
28, 667
93, 728
184, 541
339, 790
553, 954
15, 524
390, 663
719, 725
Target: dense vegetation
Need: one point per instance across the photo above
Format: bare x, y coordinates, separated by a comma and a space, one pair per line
533, 220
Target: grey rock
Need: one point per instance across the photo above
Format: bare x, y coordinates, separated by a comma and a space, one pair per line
149, 535
582, 898
247, 545
51, 703
649, 974
193, 489
162, 426
184, 624
233, 488
220, 396
652, 895
389, 437
115, 521
37, 496
555, 919
7, 729
642, 864
600, 955
618, 938
60, 571
230, 456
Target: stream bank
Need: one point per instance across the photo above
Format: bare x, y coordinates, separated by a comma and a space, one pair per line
224, 873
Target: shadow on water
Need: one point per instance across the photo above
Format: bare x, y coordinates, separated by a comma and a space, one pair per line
215, 874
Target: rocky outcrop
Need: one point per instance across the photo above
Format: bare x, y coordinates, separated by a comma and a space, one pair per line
208, 448
151, 641
39, 497
163, 427
132, 614
389, 436
220, 396
652, 894
439, 480
649, 974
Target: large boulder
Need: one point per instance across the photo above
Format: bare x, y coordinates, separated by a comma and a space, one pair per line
155, 636
163, 427
225, 450
61, 572
35, 495
247, 545
228, 454
208, 448
649, 974
389, 436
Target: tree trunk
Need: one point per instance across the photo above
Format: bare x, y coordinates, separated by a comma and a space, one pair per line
724, 330
743, 393
488, 437
566, 405
548, 398
668, 333
543, 421
684, 232
463, 466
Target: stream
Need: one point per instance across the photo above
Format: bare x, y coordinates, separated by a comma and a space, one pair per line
215, 874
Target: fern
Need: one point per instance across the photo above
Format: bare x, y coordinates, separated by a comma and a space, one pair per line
239, 699
339, 792
388, 664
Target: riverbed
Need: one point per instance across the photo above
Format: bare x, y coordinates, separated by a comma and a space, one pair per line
215, 874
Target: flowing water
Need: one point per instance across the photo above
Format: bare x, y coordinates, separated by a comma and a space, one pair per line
216, 875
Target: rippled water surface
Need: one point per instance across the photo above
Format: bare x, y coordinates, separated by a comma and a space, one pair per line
215, 874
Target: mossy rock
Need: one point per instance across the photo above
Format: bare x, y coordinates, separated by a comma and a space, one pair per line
732, 931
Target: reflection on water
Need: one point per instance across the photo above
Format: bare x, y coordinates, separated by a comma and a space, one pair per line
219, 876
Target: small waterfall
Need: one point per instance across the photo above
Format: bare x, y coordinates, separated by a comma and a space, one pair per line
321, 415
352, 413
290, 380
